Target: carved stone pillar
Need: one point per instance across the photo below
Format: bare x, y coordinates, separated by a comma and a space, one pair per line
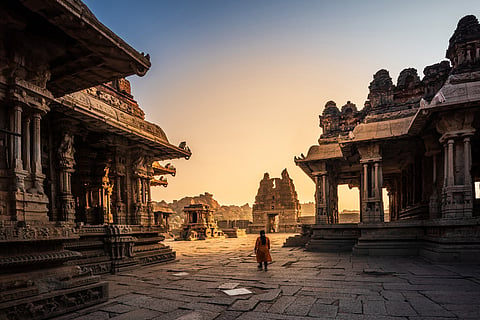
66, 165
372, 183
107, 189
37, 154
26, 144
433, 202
457, 193
16, 163
321, 197
151, 218
16, 140
433, 149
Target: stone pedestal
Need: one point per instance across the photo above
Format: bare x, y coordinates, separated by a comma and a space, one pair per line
34, 280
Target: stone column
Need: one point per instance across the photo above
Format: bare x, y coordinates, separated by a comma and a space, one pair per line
333, 199
139, 190
450, 164
321, 201
433, 201
445, 165
37, 154
371, 200
16, 126
467, 160
119, 190
26, 144
66, 165
457, 192
151, 218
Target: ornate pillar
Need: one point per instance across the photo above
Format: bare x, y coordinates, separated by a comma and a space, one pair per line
321, 197
107, 189
468, 160
16, 163
433, 202
37, 154
26, 144
457, 192
450, 163
371, 200
433, 149
16, 144
66, 162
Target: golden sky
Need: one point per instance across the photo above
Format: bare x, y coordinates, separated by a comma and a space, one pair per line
243, 82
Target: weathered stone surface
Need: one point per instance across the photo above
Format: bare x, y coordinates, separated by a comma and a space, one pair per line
321, 310
301, 306
281, 304
117, 308
431, 213
399, 308
376, 307
312, 296
138, 314
350, 306
276, 207
244, 305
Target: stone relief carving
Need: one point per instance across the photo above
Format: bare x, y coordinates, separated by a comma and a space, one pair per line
36, 233
66, 151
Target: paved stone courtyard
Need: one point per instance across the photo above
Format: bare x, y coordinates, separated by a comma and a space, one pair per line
298, 285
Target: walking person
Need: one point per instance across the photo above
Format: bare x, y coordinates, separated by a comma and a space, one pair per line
262, 250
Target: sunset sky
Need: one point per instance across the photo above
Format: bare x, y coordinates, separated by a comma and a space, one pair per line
243, 82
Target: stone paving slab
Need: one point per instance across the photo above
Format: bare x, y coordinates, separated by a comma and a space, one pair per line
299, 285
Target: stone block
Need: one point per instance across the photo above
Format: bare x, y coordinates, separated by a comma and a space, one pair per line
301, 306
281, 304
323, 311
138, 314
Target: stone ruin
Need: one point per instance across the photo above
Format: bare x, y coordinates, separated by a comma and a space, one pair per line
276, 207
77, 160
419, 140
199, 223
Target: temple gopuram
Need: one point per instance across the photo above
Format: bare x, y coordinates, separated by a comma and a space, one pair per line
77, 160
417, 139
276, 207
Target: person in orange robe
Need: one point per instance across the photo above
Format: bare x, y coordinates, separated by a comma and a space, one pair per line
262, 250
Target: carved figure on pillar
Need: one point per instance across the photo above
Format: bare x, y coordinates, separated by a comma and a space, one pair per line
107, 189
66, 153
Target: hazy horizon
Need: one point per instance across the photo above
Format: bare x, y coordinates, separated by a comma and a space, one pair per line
243, 82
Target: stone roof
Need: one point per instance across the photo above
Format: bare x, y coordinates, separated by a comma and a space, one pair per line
83, 52
380, 130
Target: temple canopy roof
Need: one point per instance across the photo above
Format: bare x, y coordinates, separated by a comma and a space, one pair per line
159, 170
80, 51
379, 130
98, 115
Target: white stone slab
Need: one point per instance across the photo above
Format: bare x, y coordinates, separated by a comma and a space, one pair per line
237, 292
228, 285
181, 274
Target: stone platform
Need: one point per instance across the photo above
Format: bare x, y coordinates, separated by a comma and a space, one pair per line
298, 285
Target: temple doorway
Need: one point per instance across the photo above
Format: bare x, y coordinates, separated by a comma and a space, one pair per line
272, 222
348, 204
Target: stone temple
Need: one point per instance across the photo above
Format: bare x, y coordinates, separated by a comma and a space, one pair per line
419, 141
276, 207
77, 160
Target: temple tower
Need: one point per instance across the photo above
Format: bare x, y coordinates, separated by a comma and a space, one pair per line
276, 207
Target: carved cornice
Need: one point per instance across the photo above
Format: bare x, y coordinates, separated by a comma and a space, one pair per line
37, 258
31, 95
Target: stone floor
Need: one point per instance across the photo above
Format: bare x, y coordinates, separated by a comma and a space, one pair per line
298, 285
